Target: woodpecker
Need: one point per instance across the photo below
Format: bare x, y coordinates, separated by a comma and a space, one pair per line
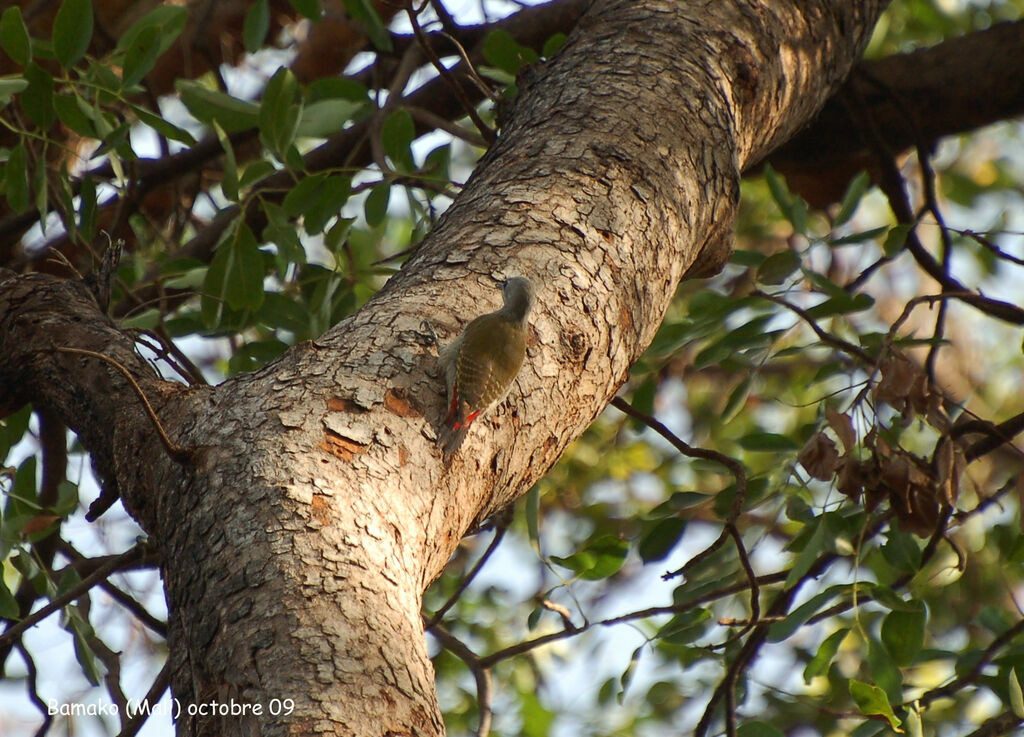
481, 363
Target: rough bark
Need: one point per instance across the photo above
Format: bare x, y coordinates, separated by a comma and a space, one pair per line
314, 510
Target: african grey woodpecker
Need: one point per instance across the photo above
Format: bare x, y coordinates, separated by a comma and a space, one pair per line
480, 365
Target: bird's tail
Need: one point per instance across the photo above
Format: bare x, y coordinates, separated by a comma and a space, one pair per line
453, 431
450, 438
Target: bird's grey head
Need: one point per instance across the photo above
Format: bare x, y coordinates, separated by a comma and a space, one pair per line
518, 295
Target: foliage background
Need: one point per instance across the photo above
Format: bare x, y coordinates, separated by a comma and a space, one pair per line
884, 534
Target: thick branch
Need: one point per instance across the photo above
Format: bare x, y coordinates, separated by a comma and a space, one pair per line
41, 318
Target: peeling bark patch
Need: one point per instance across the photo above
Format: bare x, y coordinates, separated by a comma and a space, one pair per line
340, 446
343, 404
321, 509
398, 402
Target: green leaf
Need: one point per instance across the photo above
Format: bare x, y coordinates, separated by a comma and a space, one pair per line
865, 235
737, 399
253, 355
599, 558
767, 442
363, 10
67, 499
884, 671
872, 701
235, 277
66, 207
69, 108
782, 630
72, 31
891, 600
778, 267
281, 313
627, 675
854, 192
87, 207
841, 305
537, 719
303, 195
342, 88
338, 234
553, 45
16, 176
11, 86
333, 194
679, 501
1016, 697
145, 320
326, 117
503, 52
163, 127
282, 233
140, 56
14, 36
82, 631
169, 19
255, 171
793, 208
759, 729
8, 604
903, 633
819, 664
685, 627
40, 189
256, 26
438, 162
901, 552
229, 180
804, 561
396, 134
12, 429
376, 206
280, 110
748, 335
895, 240
208, 105
741, 257
309, 8
37, 99
643, 401
661, 539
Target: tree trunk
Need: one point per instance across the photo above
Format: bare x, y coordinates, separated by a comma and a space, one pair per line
312, 509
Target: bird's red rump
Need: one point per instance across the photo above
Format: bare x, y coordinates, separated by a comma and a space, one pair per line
469, 418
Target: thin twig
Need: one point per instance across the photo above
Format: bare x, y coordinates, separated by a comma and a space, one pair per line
987, 655
486, 131
178, 453
33, 689
163, 679
481, 672
826, 337
998, 725
499, 533
436, 121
